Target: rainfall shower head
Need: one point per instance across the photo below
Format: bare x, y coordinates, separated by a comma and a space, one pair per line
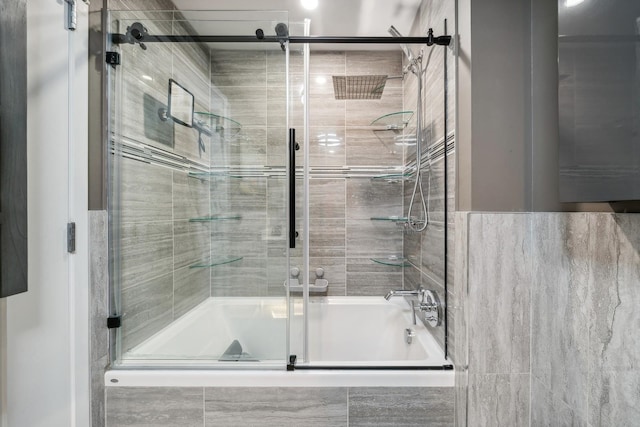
395, 33
359, 87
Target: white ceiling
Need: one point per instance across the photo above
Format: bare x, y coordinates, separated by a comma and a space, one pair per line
331, 18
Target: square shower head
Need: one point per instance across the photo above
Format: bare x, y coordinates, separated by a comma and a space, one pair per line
359, 87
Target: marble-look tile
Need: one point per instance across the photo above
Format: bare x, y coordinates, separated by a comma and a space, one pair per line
366, 238
244, 278
191, 286
327, 146
498, 400
433, 257
244, 237
412, 278
362, 112
499, 283
277, 140
250, 149
451, 186
146, 309
327, 198
613, 397
99, 282
277, 267
614, 320
327, 237
146, 251
154, 406
98, 311
198, 55
365, 147
371, 62
460, 301
97, 409
145, 192
247, 105
548, 411
400, 406
433, 188
366, 278
559, 300
325, 110
458, 304
145, 63
276, 65
239, 67
412, 247
327, 63
367, 199
190, 197
248, 198
277, 104
275, 406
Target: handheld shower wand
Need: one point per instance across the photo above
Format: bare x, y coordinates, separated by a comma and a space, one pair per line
415, 66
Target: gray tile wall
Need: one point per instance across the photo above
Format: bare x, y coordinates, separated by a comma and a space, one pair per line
552, 322
498, 307
99, 311
153, 204
342, 235
586, 325
362, 406
426, 250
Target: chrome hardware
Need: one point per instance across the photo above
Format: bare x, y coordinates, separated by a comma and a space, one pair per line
402, 293
408, 335
429, 304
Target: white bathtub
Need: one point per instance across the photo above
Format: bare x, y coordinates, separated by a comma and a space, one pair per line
345, 332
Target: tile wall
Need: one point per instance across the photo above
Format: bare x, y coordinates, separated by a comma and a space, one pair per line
553, 330
153, 204
425, 250
342, 236
362, 406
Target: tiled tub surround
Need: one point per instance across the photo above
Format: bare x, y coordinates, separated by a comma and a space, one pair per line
342, 236
153, 204
553, 326
279, 406
426, 250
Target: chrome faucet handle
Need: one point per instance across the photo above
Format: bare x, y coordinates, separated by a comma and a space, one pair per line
295, 272
430, 306
413, 311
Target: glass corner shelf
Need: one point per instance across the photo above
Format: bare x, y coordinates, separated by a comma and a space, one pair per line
392, 260
392, 178
215, 218
394, 121
224, 126
212, 175
392, 218
219, 261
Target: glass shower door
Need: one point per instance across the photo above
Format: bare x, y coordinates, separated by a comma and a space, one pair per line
198, 202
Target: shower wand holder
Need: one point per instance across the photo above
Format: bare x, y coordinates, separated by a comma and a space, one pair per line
320, 286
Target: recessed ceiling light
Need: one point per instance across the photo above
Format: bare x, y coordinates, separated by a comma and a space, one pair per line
571, 3
309, 4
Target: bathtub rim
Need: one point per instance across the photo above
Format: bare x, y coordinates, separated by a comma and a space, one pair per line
279, 378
